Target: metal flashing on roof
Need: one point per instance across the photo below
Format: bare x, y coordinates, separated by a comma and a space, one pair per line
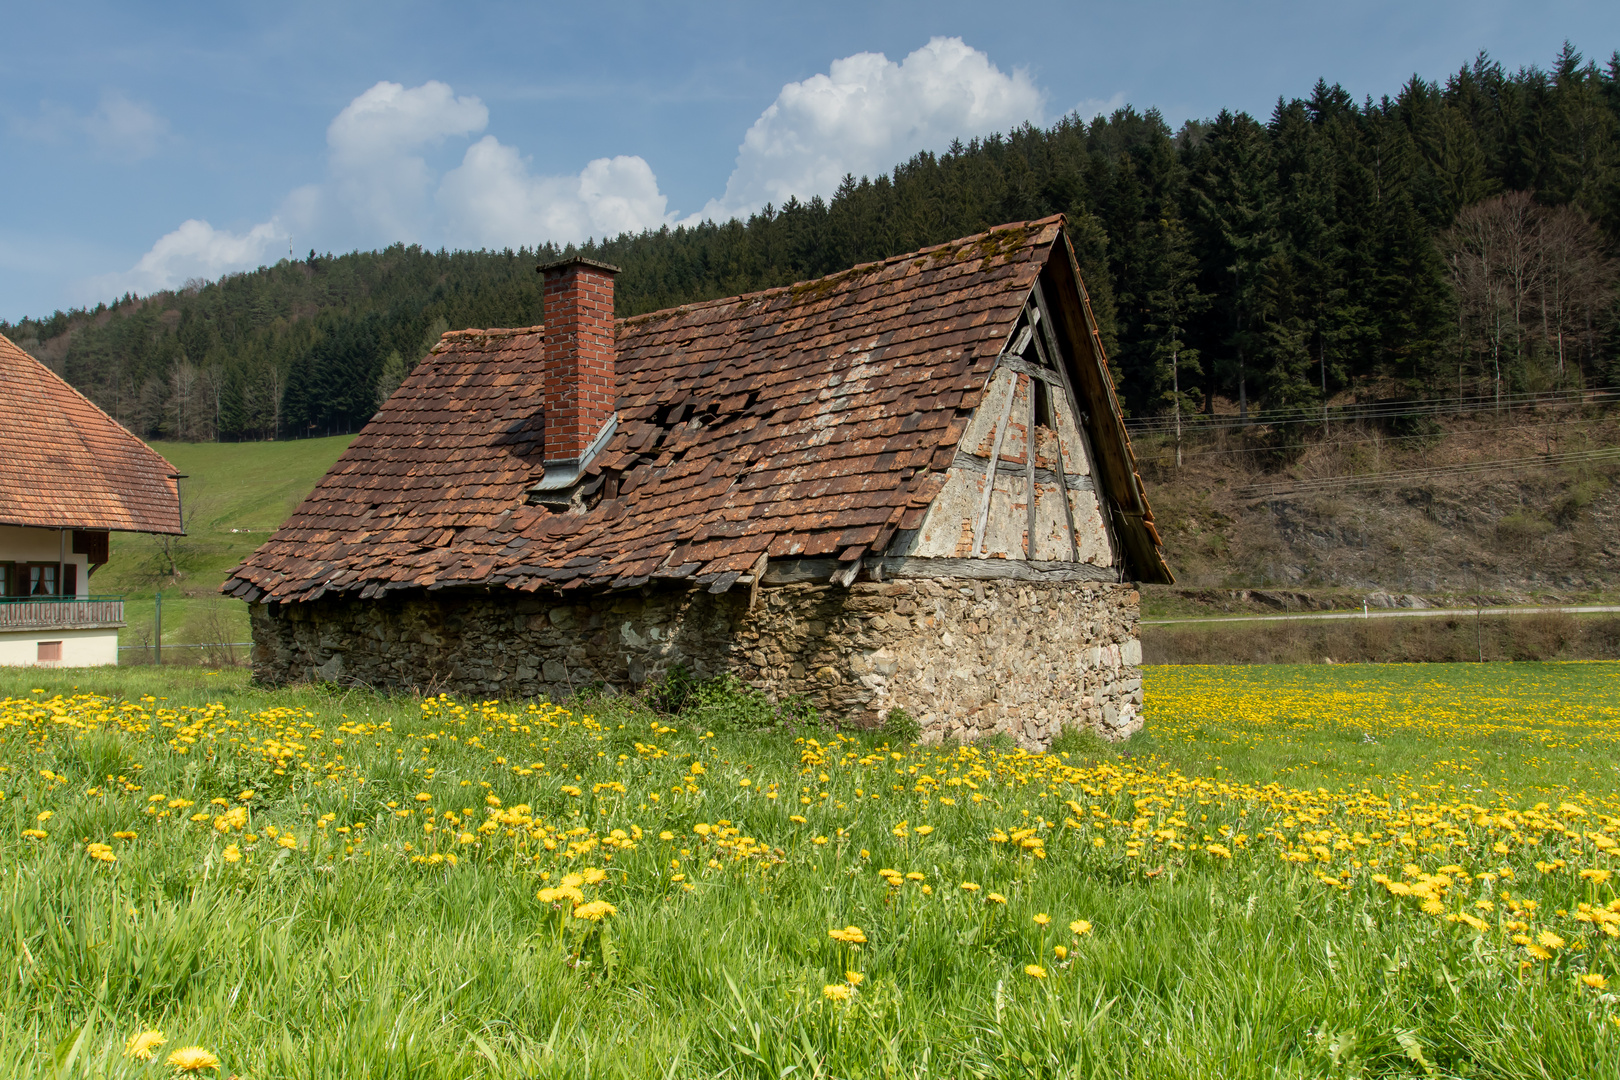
557, 486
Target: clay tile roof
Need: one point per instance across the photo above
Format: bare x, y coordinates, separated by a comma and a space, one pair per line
812, 420
66, 464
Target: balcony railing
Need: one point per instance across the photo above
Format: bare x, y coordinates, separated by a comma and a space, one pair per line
61, 612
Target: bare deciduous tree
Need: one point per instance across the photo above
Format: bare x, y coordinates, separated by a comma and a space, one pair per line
1531, 282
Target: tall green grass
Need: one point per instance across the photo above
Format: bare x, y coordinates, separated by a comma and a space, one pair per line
290, 964
234, 496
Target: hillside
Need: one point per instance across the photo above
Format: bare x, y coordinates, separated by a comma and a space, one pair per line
1366, 510
1239, 542
1333, 246
233, 497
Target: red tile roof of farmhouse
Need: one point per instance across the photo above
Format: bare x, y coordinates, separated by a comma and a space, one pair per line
810, 421
66, 464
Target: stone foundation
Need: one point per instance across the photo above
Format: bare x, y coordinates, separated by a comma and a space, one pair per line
966, 658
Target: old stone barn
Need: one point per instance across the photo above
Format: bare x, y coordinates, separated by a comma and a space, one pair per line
904, 485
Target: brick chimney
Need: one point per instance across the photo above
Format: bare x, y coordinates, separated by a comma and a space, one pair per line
577, 374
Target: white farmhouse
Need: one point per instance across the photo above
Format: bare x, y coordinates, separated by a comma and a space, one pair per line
70, 475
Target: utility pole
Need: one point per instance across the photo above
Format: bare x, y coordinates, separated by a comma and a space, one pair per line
1175, 376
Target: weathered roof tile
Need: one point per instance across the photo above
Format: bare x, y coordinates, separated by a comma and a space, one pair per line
792, 421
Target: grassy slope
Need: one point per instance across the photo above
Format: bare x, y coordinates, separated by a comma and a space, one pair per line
1540, 533
293, 964
235, 496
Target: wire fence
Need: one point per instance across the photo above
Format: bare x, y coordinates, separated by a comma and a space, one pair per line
1397, 476
1375, 410
217, 654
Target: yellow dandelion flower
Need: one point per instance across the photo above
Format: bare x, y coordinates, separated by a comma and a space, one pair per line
1042, 919
1538, 952
837, 991
424, 797
594, 875
1061, 952
1433, 907
231, 854
1550, 940
1080, 927
190, 1059
1595, 981
124, 835
994, 898
595, 910
141, 1044
702, 828
853, 978
1035, 971
34, 834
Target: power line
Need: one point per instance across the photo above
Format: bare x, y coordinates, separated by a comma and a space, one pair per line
1376, 410
1385, 439
1330, 483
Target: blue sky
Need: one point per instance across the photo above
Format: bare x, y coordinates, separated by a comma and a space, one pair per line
150, 143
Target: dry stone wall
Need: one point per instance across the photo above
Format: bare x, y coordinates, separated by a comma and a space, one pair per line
966, 658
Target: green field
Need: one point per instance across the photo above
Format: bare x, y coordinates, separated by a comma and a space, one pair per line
1292, 871
234, 497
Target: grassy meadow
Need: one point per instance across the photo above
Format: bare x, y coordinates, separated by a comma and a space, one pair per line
1292, 871
234, 496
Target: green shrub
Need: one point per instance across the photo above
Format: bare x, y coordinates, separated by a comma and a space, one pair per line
900, 727
727, 704
1080, 742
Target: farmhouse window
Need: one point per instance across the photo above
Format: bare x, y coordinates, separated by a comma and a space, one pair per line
42, 579
50, 652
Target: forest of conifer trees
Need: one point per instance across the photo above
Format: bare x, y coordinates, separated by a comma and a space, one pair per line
1457, 238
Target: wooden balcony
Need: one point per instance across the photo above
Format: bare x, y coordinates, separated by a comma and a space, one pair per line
61, 613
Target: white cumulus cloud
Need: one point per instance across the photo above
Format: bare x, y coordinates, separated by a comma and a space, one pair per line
388, 178
867, 114
195, 250
493, 200
379, 182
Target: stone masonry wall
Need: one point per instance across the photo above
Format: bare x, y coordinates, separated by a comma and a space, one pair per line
966, 658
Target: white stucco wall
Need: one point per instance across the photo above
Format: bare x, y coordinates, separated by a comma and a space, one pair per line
80, 648
21, 544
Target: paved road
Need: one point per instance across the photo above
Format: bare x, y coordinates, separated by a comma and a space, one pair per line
1389, 613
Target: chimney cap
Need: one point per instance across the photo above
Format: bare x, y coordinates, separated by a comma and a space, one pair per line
575, 260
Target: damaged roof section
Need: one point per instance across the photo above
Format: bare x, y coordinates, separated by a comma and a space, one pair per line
812, 421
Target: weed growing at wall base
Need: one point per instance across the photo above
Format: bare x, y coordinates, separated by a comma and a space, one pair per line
300, 884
